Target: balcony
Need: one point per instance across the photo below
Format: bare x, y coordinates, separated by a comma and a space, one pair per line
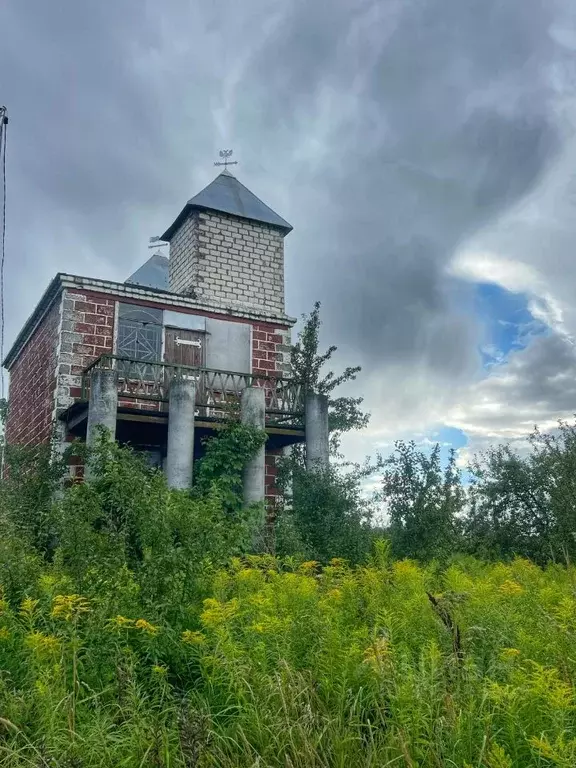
143, 389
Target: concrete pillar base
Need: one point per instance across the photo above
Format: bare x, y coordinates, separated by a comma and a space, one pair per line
317, 433
253, 413
103, 403
180, 455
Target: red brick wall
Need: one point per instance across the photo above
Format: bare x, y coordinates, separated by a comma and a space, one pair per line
32, 385
269, 349
94, 320
87, 333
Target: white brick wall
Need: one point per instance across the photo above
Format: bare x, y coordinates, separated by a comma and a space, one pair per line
228, 260
183, 264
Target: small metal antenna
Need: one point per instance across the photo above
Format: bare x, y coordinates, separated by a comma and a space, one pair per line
225, 154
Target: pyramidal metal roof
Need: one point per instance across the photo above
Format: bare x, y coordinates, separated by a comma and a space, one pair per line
152, 274
227, 195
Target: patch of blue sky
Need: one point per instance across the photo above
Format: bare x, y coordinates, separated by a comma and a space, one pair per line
507, 321
449, 438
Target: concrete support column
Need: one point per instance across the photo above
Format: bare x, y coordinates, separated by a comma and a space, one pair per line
103, 404
180, 454
317, 433
253, 413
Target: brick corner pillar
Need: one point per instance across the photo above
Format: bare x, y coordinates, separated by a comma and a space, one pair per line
103, 404
253, 413
317, 432
180, 453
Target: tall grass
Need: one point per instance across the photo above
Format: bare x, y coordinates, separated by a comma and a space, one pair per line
290, 664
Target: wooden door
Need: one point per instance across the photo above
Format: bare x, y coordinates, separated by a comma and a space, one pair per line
184, 347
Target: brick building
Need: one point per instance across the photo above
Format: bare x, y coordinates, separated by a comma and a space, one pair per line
211, 316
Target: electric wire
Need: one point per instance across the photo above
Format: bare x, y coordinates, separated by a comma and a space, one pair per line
3, 135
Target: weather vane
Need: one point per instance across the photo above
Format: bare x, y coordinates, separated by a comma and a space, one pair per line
226, 154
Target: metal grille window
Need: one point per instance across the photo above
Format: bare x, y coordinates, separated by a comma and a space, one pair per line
139, 333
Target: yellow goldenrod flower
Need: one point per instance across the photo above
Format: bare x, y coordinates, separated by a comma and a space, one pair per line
309, 566
160, 671
41, 687
377, 653
501, 695
120, 622
497, 757
69, 607
4, 634
510, 587
3, 602
270, 625
543, 747
46, 583
406, 569
216, 613
509, 654
28, 607
42, 645
145, 626
193, 638
565, 613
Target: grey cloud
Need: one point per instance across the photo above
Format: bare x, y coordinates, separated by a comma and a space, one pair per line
537, 386
416, 166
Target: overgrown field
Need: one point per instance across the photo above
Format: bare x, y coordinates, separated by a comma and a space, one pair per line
135, 631
290, 664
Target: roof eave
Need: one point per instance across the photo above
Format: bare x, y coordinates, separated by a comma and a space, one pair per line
167, 236
48, 297
189, 207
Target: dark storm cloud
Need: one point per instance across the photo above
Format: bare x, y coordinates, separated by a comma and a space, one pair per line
452, 124
386, 132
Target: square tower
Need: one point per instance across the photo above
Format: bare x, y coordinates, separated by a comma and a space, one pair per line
227, 249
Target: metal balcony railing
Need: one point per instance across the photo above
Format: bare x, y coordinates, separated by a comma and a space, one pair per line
217, 392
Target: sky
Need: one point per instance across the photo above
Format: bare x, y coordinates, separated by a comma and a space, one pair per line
423, 151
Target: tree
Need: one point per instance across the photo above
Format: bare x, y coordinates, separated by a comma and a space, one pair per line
525, 505
423, 500
326, 514
308, 363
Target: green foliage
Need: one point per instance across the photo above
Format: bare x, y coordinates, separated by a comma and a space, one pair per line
220, 469
423, 501
326, 514
307, 366
32, 477
145, 636
284, 663
125, 523
526, 504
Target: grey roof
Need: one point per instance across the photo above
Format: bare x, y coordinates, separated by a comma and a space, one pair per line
152, 274
228, 195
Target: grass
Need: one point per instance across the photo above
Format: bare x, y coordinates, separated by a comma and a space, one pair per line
290, 665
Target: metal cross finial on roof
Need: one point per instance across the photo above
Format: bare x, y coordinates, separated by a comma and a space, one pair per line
225, 154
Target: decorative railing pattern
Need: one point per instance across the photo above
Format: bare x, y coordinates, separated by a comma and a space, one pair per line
217, 392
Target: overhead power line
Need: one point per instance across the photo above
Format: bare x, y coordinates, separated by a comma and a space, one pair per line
3, 134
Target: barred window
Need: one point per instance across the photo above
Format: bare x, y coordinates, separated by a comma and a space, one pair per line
139, 333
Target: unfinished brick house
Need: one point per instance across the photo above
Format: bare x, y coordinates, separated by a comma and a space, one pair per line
164, 357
